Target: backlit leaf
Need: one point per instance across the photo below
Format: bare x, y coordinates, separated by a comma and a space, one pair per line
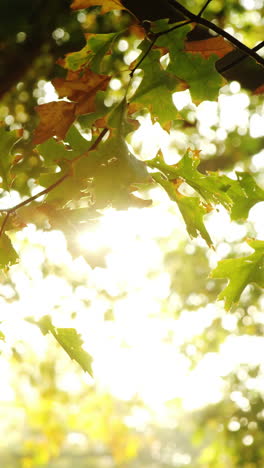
191, 208
54, 151
8, 255
156, 88
7, 141
237, 196
197, 71
107, 5
81, 88
241, 272
92, 54
55, 120
70, 340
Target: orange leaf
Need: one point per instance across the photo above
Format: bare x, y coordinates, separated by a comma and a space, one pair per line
107, 5
82, 89
207, 47
259, 90
55, 120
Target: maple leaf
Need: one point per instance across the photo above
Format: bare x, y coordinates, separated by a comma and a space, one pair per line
55, 120
81, 88
211, 46
241, 272
107, 5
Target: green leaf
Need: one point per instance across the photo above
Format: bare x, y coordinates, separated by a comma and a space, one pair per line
70, 341
199, 73
114, 172
237, 196
69, 189
93, 53
191, 208
155, 90
241, 272
55, 151
248, 195
7, 141
87, 120
8, 255
173, 40
211, 187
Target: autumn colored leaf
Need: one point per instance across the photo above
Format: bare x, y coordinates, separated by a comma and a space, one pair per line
107, 5
81, 88
211, 46
241, 272
259, 90
55, 120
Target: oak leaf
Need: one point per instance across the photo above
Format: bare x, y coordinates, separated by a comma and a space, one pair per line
107, 5
207, 47
55, 120
82, 89
240, 272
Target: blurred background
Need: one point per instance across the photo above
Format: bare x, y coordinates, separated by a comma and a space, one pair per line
177, 380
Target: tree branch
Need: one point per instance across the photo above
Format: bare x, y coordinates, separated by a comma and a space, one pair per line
197, 19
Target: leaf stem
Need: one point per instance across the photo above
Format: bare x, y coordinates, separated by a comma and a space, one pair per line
197, 19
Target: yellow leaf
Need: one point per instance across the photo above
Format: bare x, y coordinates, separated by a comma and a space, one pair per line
207, 47
107, 5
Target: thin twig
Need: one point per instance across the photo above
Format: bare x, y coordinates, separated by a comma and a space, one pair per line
173, 27
204, 7
131, 74
155, 36
240, 59
92, 147
197, 19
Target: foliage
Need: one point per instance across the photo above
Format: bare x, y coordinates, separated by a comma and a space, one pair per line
82, 159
